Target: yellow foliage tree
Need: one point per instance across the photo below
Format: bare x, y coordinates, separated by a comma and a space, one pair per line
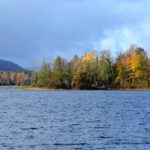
90, 56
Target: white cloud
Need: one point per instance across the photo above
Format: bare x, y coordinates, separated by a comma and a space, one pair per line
121, 38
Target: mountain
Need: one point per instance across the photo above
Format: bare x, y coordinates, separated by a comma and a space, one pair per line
9, 66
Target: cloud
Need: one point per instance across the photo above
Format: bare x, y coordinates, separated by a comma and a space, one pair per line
34, 29
121, 38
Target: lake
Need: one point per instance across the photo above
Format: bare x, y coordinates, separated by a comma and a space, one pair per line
74, 120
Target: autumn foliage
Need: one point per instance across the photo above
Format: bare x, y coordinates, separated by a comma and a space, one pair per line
97, 69
132, 68
94, 70
15, 78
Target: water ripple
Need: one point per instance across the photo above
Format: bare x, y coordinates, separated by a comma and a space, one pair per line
74, 120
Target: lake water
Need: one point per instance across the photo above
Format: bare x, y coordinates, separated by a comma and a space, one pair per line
74, 120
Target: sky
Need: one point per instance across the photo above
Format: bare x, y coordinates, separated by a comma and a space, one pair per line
32, 30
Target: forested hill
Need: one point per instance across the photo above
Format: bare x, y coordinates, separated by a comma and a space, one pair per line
9, 66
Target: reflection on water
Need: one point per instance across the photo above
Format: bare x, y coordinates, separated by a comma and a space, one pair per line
74, 120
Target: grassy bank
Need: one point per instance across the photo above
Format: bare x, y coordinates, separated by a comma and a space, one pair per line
33, 88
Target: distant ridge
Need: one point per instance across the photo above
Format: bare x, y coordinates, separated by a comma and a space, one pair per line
9, 66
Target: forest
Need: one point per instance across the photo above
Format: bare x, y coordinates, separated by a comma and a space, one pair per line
15, 78
94, 70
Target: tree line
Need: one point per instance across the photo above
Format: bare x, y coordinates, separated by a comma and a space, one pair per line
96, 70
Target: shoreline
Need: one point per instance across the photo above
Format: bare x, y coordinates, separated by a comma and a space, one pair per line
50, 89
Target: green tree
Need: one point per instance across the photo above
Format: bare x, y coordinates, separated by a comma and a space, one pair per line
105, 71
45, 75
60, 73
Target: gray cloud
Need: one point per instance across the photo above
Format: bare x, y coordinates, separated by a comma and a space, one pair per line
34, 29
